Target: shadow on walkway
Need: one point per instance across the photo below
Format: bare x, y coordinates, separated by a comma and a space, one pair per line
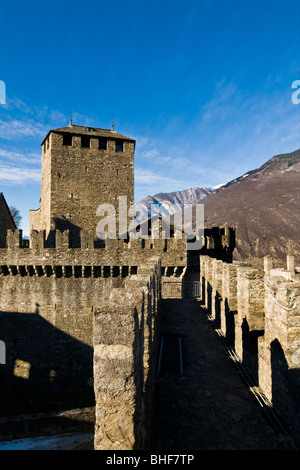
208, 407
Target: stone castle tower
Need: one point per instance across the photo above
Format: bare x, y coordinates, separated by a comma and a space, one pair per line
82, 167
84, 323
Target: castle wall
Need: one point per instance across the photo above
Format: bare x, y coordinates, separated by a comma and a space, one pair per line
35, 222
115, 252
279, 371
6, 221
125, 356
229, 302
52, 293
79, 315
76, 180
47, 323
259, 317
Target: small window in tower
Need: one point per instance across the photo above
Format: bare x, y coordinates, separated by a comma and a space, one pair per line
133, 270
67, 139
119, 146
102, 144
85, 141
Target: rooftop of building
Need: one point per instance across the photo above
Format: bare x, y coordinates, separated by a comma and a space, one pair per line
91, 131
4, 207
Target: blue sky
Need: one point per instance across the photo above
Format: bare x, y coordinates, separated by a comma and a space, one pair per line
203, 86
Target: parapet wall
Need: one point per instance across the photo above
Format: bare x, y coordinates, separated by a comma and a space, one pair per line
48, 299
219, 242
125, 356
50, 254
47, 322
49, 293
258, 313
134, 252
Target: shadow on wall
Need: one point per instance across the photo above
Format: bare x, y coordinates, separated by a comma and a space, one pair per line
229, 324
144, 378
213, 301
74, 240
220, 251
124, 376
138, 350
285, 389
45, 367
62, 225
285, 380
250, 350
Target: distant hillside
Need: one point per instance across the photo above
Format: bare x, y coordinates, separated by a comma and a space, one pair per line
264, 207
168, 203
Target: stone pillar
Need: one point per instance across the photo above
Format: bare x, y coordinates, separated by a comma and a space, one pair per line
229, 302
37, 240
280, 352
268, 264
125, 356
208, 284
86, 240
116, 353
203, 278
242, 303
14, 239
62, 239
290, 263
282, 311
250, 318
217, 277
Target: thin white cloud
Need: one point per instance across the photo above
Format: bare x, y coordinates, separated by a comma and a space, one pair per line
17, 175
221, 105
16, 129
32, 158
142, 141
21, 121
16, 103
196, 170
150, 154
82, 120
148, 177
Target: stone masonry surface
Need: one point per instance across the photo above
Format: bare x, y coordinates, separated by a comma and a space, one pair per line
258, 313
82, 318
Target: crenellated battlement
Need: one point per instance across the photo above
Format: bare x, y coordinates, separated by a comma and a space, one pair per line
258, 313
61, 240
67, 296
213, 240
290, 273
37, 251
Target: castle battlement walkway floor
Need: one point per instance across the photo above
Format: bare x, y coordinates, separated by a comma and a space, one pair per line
209, 407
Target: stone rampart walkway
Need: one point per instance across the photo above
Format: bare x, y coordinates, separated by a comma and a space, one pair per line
209, 407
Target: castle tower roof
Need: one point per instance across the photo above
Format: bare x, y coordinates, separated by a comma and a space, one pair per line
91, 131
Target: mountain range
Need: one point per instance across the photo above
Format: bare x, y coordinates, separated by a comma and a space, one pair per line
168, 203
263, 206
